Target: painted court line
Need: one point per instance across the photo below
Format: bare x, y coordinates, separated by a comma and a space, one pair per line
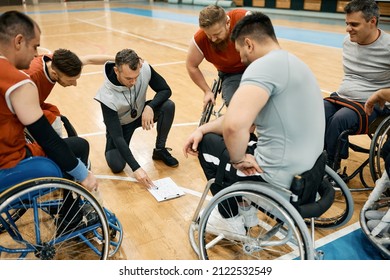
337, 234
130, 179
133, 35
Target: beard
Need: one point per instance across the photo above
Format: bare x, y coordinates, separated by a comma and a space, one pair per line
220, 46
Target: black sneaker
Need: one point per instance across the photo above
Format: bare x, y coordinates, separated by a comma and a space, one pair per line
165, 156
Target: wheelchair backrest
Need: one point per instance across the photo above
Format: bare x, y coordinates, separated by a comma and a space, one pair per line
308, 185
30, 168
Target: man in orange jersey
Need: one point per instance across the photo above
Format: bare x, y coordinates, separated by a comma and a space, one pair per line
62, 67
212, 42
20, 108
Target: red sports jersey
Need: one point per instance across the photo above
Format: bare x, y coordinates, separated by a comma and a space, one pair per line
12, 140
228, 61
38, 73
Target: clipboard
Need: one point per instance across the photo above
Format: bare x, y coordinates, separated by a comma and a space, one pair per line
165, 189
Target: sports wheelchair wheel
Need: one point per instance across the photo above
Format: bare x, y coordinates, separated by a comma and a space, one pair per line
342, 208
382, 243
380, 137
61, 220
280, 234
193, 228
115, 232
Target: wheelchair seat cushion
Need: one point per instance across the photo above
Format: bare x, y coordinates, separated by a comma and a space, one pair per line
30, 168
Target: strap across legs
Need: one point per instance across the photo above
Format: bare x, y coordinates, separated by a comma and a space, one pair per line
356, 107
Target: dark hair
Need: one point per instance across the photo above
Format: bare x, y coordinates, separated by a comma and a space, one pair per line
66, 62
256, 25
13, 23
127, 57
210, 15
369, 8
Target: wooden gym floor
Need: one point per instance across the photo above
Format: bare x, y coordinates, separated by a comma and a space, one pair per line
160, 33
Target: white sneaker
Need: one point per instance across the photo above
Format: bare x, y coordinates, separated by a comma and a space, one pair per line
250, 216
231, 228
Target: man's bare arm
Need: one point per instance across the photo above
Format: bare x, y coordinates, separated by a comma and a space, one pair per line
246, 103
96, 59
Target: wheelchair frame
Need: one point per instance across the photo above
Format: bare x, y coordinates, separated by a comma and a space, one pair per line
53, 217
379, 139
379, 131
216, 88
282, 232
381, 243
31, 228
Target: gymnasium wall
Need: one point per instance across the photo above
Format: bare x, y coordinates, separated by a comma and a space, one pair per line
329, 6
326, 6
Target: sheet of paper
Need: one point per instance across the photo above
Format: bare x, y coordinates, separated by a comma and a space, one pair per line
165, 189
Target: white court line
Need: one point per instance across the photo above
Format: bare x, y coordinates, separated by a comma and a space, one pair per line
133, 35
327, 91
337, 234
308, 43
154, 65
103, 132
130, 179
71, 34
111, 177
168, 63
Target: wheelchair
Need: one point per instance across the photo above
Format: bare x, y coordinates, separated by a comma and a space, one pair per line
380, 242
216, 88
67, 126
378, 133
284, 216
48, 217
380, 137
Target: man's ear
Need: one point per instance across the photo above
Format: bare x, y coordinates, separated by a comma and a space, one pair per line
18, 41
116, 70
227, 21
374, 20
54, 73
248, 43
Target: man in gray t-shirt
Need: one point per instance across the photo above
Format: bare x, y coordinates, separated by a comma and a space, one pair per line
366, 62
280, 95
